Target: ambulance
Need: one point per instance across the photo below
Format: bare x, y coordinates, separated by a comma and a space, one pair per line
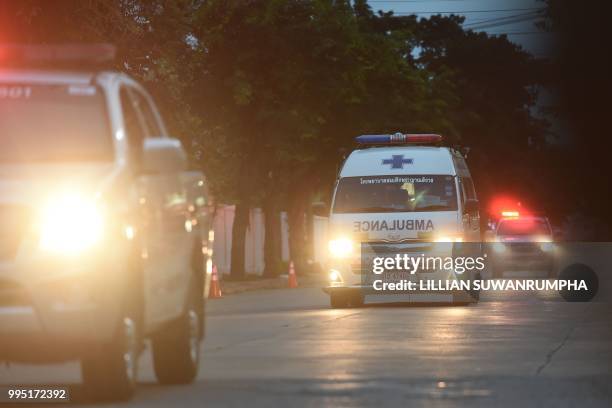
399, 189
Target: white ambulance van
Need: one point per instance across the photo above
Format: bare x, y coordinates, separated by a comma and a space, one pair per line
399, 188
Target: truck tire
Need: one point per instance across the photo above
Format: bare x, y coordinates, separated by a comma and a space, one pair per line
176, 349
111, 370
475, 294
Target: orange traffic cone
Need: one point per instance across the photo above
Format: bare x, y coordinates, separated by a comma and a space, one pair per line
292, 278
215, 287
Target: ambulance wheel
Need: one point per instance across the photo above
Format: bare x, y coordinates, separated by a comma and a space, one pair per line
110, 371
552, 270
356, 299
176, 349
338, 300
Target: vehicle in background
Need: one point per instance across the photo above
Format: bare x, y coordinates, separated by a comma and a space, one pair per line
399, 190
104, 232
522, 243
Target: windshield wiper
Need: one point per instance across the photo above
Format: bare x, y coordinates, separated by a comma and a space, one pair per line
432, 207
371, 209
395, 209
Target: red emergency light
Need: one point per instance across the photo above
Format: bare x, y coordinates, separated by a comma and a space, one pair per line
399, 138
57, 54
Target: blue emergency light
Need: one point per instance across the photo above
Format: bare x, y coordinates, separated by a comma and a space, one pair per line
399, 138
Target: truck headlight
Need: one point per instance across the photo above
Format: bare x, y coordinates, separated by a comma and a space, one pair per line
70, 224
340, 247
546, 244
499, 247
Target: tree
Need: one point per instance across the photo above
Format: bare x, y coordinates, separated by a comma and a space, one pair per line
495, 82
580, 73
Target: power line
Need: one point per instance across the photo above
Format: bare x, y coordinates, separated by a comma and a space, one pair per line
415, 1
520, 32
502, 18
464, 11
496, 22
502, 23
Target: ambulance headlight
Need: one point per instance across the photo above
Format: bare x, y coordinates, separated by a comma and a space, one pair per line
335, 276
70, 224
448, 238
340, 247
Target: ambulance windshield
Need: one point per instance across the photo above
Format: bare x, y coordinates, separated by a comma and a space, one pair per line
414, 193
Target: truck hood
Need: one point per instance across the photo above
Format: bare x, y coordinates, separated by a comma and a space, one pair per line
29, 184
395, 226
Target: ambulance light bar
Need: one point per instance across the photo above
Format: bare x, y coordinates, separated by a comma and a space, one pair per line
24, 54
399, 138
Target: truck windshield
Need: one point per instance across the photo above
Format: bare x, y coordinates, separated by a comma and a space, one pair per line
403, 193
53, 123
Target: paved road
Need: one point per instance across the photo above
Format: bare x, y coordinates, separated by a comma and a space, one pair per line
287, 348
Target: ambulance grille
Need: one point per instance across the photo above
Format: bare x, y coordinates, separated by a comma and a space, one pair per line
13, 223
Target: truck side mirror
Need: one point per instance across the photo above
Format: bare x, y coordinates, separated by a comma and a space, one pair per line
163, 155
470, 206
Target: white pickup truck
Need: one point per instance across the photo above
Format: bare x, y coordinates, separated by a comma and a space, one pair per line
104, 235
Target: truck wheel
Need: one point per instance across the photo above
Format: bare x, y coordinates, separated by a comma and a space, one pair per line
498, 273
338, 300
176, 349
110, 372
475, 294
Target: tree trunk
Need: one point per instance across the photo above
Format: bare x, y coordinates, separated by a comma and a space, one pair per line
297, 232
309, 244
272, 240
239, 228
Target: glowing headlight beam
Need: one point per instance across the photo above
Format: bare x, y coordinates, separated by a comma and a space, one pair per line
334, 276
448, 239
70, 224
341, 247
547, 246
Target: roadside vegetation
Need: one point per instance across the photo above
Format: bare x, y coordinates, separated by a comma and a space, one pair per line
268, 95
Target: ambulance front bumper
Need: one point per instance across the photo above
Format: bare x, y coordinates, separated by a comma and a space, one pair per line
410, 296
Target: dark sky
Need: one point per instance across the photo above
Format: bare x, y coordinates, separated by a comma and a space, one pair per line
513, 17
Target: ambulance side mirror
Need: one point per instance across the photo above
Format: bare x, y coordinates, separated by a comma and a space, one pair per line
470, 206
163, 155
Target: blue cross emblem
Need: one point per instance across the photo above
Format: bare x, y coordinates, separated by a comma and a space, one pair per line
397, 161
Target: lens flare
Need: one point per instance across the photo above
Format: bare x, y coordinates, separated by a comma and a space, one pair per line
70, 224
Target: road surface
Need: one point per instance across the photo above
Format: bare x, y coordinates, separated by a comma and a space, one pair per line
287, 348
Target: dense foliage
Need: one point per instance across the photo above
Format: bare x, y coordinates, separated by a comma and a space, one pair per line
268, 93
